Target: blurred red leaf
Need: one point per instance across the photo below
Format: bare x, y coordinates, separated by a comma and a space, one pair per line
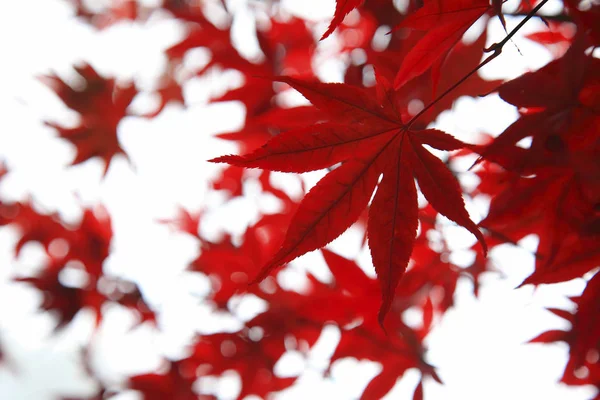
101, 105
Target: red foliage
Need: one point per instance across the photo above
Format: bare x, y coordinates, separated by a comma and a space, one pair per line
101, 105
584, 347
82, 248
367, 135
380, 154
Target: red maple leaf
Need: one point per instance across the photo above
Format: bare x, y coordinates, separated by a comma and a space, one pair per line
369, 138
342, 8
84, 246
65, 301
583, 367
350, 302
252, 359
101, 105
169, 90
558, 102
231, 267
88, 242
445, 24
558, 201
176, 384
461, 59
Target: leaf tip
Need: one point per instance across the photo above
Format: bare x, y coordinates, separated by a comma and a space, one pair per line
328, 32
266, 270
227, 159
477, 162
385, 307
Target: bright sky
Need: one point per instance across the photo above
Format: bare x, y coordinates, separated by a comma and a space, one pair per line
478, 347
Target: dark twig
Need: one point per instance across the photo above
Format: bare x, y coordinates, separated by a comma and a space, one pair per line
554, 18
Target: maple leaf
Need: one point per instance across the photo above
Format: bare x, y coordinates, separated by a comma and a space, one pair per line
255, 132
557, 100
556, 37
176, 384
168, 90
461, 59
554, 207
87, 245
231, 180
269, 123
231, 267
587, 20
202, 34
445, 23
583, 367
252, 359
291, 314
396, 353
287, 46
342, 8
88, 242
101, 105
65, 301
32, 226
368, 139
350, 302
558, 203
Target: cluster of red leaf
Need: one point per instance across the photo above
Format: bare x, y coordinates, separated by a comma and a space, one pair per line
371, 132
72, 249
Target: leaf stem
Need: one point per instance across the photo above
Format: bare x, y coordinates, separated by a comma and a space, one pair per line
495, 49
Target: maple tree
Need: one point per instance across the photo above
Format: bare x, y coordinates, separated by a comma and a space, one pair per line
380, 152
